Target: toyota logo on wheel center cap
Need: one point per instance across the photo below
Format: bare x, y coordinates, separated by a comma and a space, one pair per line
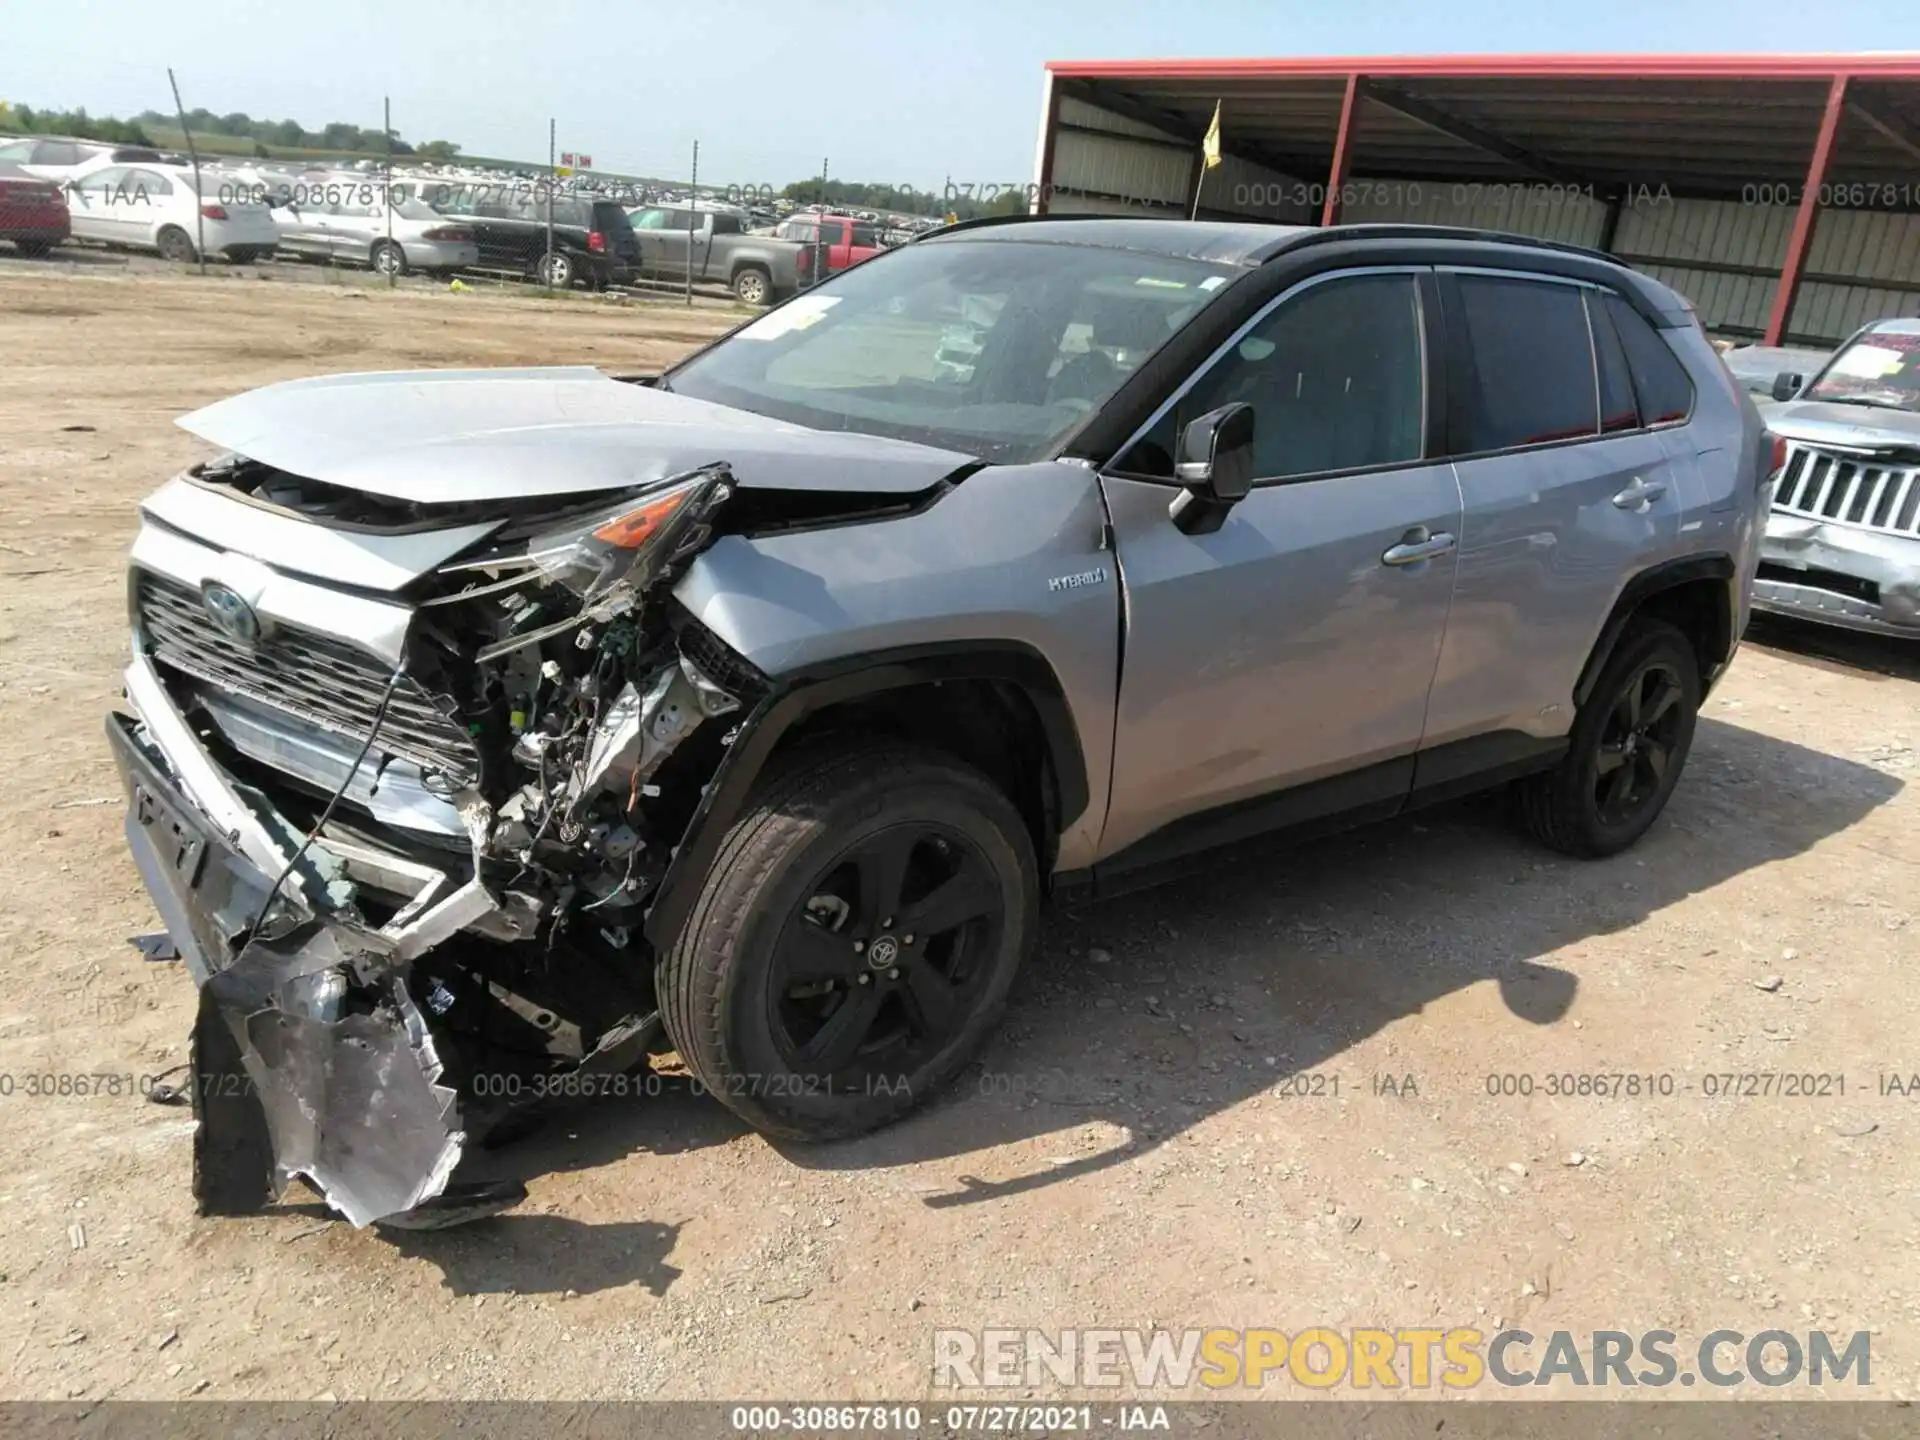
883, 953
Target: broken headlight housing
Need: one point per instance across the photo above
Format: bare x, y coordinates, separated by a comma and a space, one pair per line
613, 555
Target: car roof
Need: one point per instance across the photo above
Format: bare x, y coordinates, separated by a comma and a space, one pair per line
1898, 325
1250, 244
1222, 242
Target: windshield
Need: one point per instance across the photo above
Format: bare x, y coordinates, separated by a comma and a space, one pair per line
1881, 368
995, 348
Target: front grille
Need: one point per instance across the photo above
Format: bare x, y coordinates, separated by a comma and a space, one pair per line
315, 677
1823, 486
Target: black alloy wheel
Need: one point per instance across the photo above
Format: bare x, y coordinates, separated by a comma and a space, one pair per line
883, 962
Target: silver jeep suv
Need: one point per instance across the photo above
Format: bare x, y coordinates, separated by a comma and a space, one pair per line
1842, 541
489, 730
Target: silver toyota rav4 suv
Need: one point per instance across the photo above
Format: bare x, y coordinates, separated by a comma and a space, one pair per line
488, 730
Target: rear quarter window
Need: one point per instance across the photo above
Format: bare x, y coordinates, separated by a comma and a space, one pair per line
609, 218
1660, 381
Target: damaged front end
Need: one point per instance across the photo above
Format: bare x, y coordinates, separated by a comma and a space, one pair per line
405, 838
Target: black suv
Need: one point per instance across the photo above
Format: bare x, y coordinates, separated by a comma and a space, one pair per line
592, 240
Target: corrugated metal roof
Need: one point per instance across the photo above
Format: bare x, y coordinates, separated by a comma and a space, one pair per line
1691, 125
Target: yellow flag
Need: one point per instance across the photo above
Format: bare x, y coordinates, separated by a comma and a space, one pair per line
1210, 147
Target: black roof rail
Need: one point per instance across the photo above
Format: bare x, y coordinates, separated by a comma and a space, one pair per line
980, 222
1321, 235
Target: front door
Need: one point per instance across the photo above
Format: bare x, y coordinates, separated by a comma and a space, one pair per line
1296, 644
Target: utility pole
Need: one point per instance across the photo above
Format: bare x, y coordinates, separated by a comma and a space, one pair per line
386, 202
200, 201
820, 228
693, 219
546, 266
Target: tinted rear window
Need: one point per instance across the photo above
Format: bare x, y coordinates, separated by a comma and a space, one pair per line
609, 218
1664, 388
1531, 379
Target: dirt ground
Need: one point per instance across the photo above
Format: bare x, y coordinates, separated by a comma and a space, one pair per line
1129, 1152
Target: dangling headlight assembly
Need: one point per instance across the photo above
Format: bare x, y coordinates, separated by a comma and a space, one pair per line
609, 558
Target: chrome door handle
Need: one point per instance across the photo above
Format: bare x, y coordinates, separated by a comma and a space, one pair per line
1412, 552
1640, 494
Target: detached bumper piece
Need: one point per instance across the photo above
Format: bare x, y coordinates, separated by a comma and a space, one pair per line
295, 1072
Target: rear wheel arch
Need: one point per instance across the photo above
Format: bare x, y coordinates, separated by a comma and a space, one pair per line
999, 708
1694, 595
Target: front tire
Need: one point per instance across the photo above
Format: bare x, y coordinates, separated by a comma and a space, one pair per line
35, 249
1629, 744
855, 940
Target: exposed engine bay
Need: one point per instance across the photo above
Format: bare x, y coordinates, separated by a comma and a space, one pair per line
400, 989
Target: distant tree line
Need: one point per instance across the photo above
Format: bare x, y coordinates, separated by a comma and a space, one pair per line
76, 124
292, 135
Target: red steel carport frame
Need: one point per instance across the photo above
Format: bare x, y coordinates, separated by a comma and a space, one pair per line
1838, 70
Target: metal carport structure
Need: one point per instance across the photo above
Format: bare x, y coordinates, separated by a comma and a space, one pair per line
1781, 193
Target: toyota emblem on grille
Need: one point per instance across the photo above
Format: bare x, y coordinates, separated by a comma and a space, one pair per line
232, 615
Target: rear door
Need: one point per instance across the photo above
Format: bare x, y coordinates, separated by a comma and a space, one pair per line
301, 225
141, 203
350, 227
1567, 494
1297, 643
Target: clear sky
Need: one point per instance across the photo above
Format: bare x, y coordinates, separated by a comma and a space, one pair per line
909, 91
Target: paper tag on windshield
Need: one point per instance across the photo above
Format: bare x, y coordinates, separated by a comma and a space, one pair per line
797, 314
1868, 362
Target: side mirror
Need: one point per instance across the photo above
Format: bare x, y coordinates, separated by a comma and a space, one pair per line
1786, 385
1214, 467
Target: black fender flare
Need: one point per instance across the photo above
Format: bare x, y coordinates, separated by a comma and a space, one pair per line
1636, 592
806, 692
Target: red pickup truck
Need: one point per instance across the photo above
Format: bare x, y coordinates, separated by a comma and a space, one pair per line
844, 240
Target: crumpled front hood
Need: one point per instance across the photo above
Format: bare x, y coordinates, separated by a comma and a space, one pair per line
434, 436
1851, 427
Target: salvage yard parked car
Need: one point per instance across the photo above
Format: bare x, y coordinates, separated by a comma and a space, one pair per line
759, 269
592, 241
156, 207
363, 229
62, 160
840, 240
753, 708
1758, 368
33, 213
1843, 539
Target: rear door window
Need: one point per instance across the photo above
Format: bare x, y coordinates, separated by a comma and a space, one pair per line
1660, 381
1528, 361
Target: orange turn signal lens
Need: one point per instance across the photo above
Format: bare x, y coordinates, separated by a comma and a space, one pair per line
639, 525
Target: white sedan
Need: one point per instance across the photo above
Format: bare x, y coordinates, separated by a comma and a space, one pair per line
156, 207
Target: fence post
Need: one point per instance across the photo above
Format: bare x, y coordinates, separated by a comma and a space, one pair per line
199, 218
693, 219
